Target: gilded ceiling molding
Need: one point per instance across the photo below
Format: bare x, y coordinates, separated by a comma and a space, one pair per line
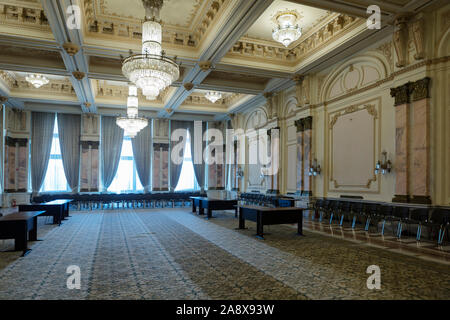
188, 86
8, 78
204, 65
78, 75
53, 87
120, 93
71, 48
26, 17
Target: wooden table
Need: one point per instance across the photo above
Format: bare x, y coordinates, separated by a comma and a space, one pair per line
58, 209
20, 226
211, 204
264, 216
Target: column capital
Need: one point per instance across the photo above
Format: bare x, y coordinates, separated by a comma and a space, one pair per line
308, 123
300, 125
401, 94
421, 89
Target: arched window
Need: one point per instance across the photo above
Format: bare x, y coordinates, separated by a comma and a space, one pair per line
126, 179
187, 179
55, 178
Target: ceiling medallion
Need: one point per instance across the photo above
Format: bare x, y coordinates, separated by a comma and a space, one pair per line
287, 29
151, 71
132, 124
213, 96
37, 80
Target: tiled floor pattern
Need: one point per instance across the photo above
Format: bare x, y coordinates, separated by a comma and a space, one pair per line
173, 254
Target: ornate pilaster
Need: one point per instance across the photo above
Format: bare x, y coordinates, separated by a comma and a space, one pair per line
90, 142
307, 159
401, 95
273, 177
300, 129
160, 164
421, 149
16, 150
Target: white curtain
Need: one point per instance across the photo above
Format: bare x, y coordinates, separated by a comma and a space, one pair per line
199, 168
69, 129
41, 143
142, 157
112, 139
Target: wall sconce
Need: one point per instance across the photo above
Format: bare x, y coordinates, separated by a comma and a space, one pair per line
315, 169
240, 173
384, 165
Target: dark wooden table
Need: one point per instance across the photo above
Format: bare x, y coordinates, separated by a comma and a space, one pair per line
264, 216
58, 209
211, 204
20, 226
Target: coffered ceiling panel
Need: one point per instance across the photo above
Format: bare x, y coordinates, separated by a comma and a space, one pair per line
134, 10
309, 17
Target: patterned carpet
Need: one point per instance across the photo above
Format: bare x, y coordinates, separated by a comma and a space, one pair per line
173, 254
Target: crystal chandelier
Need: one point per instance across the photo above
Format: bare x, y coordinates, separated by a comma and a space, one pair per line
213, 96
132, 124
151, 71
37, 80
287, 31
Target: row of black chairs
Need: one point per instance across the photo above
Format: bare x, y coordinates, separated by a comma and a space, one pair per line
372, 214
130, 200
260, 199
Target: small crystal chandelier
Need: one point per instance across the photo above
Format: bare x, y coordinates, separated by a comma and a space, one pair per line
132, 124
287, 31
151, 71
37, 80
213, 96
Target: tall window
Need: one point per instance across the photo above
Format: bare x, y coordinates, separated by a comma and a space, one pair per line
187, 177
55, 178
126, 179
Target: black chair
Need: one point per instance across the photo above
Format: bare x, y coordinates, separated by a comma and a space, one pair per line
440, 217
356, 210
420, 217
370, 211
401, 215
344, 211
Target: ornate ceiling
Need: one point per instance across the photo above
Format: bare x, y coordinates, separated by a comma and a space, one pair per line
221, 45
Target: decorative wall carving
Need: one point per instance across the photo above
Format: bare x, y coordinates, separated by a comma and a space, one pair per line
354, 139
401, 40
418, 37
